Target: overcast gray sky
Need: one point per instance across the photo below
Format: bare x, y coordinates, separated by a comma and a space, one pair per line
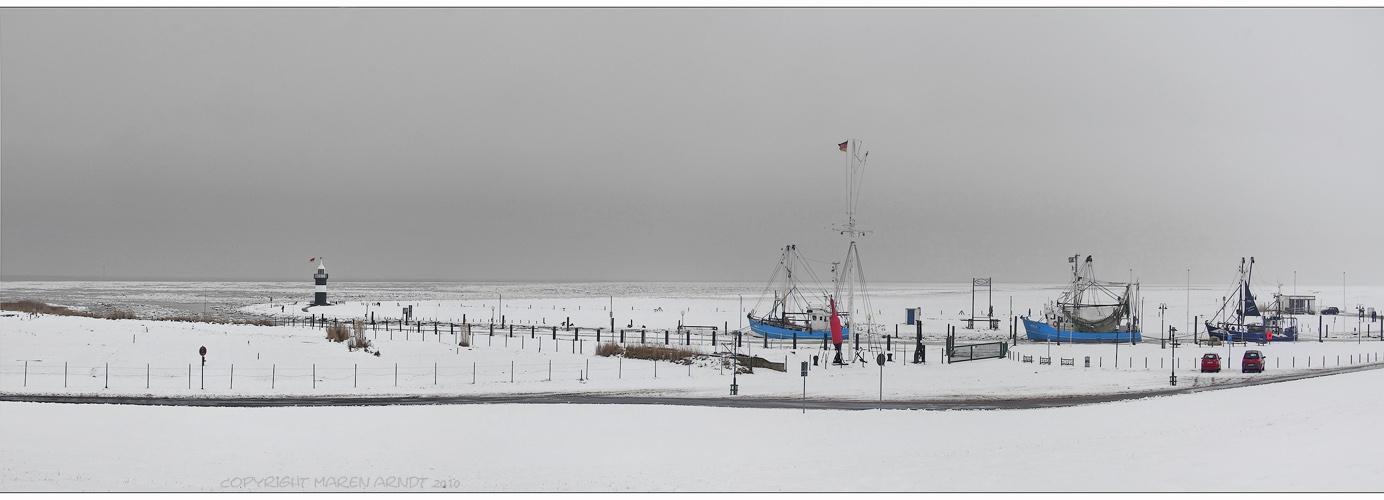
690, 144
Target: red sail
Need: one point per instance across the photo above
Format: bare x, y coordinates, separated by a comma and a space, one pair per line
835, 324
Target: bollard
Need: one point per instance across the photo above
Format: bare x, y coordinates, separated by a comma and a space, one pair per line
795, 342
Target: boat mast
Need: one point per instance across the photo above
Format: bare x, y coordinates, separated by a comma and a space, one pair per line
850, 271
1240, 311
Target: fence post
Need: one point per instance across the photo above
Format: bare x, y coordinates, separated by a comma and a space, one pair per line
108, 371
189, 375
620, 368
232, 376
354, 375
473, 373
550, 370
146, 375
434, 373
272, 369
314, 375
26, 375
511, 371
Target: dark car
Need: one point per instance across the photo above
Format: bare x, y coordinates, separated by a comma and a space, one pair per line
1331, 310
1211, 362
1252, 362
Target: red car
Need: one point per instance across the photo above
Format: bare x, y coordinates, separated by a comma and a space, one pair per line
1211, 362
1253, 361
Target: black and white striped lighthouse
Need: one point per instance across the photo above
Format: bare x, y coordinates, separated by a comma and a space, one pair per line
320, 298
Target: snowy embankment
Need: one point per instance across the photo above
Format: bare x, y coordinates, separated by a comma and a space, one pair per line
1308, 435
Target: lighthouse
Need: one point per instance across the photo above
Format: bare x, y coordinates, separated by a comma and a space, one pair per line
320, 298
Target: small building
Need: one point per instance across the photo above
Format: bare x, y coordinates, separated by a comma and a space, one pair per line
1297, 304
913, 315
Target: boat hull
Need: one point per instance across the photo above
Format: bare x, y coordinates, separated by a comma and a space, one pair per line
776, 332
1252, 333
1043, 332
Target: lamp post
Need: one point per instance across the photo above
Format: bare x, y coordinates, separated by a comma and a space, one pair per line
1172, 372
1162, 307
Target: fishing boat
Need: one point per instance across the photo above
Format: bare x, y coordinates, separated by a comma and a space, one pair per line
819, 315
1245, 323
793, 313
1089, 310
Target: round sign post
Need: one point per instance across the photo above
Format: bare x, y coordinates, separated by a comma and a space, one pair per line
880, 360
203, 352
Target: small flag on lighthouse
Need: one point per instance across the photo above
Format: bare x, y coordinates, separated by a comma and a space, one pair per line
843, 145
314, 259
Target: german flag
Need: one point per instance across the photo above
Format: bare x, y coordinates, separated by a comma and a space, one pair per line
843, 145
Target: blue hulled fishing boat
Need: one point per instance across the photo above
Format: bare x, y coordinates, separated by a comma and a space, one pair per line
794, 314
1088, 310
1245, 323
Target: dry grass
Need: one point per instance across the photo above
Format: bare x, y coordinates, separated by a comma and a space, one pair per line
118, 314
358, 339
338, 333
33, 307
669, 354
609, 349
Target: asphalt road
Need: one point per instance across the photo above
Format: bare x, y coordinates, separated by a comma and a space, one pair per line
727, 402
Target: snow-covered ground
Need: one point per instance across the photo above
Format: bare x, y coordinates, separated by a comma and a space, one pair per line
1309, 435
1177, 443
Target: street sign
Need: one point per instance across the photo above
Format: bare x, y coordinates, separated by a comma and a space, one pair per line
880, 360
804, 368
202, 351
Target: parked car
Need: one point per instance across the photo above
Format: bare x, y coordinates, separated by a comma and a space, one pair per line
1211, 362
1331, 310
1253, 361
